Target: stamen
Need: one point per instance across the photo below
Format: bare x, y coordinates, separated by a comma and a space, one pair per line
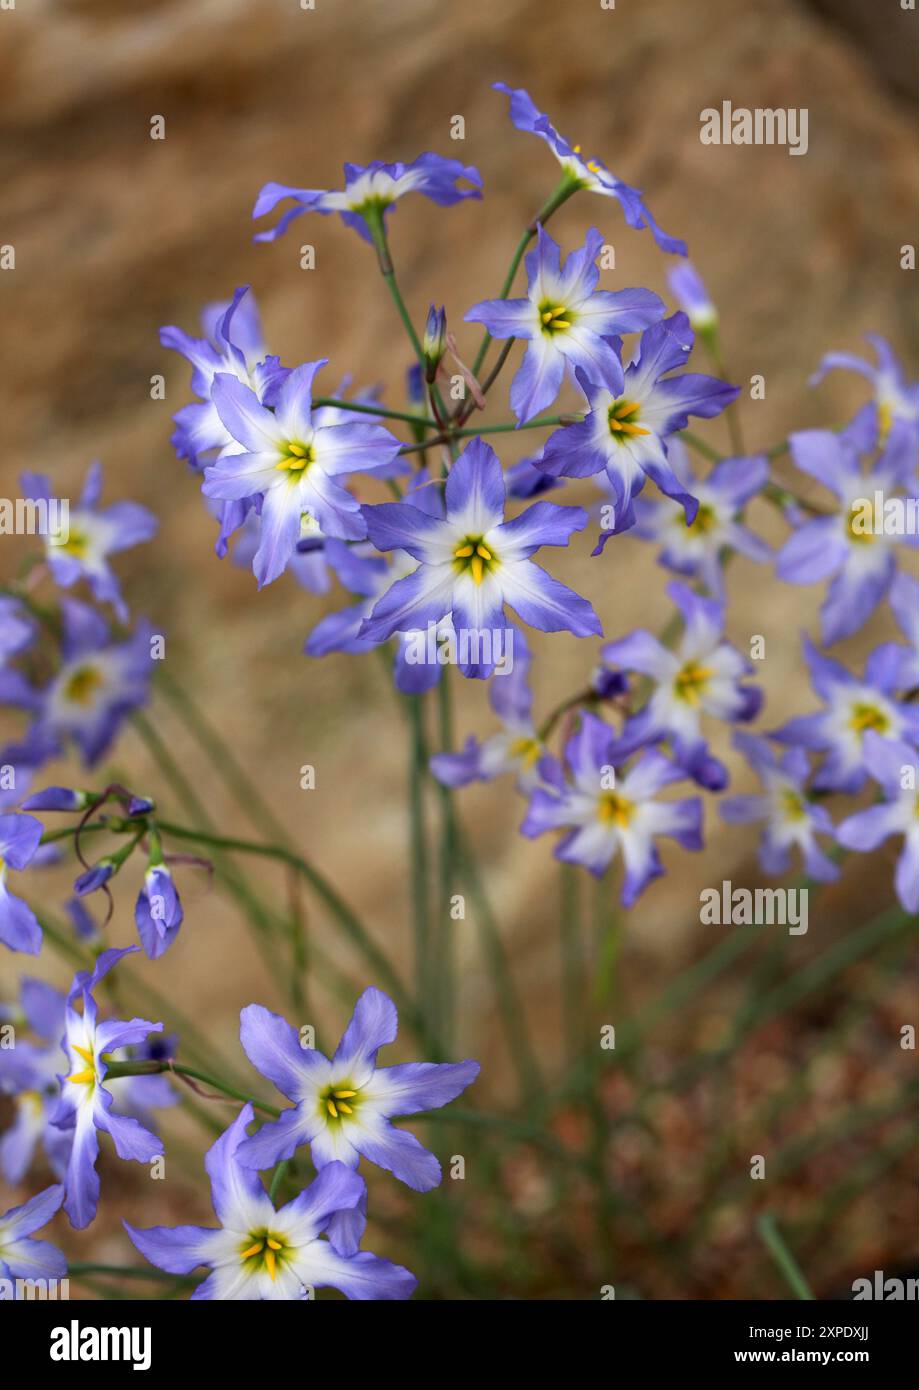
344, 1095
330, 1106
255, 1249
274, 1244
271, 1263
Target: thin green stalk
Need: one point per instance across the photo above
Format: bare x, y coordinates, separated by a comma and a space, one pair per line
561, 194
572, 961
407, 416
155, 1067
342, 913
418, 860
511, 1010
446, 973
785, 1261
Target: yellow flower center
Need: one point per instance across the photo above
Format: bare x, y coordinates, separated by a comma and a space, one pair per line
88, 1076
338, 1101
885, 420
623, 417
77, 543
861, 536
613, 809
706, 519
793, 805
554, 318
296, 458
691, 680
263, 1250
473, 556
526, 751
865, 717
82, 685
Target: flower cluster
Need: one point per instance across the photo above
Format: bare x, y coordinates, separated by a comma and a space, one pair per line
446, 557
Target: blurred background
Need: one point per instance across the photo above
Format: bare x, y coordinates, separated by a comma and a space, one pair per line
636, 1175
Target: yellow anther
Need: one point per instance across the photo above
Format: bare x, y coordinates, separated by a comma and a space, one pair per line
614, 810
483, 551
866, 717
477, 566
271, 1264
547, 316
85, 1053
344, 1095
691, 681
297, 449
83, 1078
577, 149
330, 1106
274, 1244
346, 1108
464, 552
255, 1249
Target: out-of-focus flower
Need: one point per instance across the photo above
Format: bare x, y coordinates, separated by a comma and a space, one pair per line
894, 765
703, 674
22, 1257
605, 814
371, 191
859, 561
19, 840
81, 546
896, 401
791, 818
696, 549
853, 706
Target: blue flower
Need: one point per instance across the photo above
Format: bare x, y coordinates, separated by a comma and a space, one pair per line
57, 799
517, 748
896, 401
259, 1253
85, 1105
158, 912
19, 839
859, 562
81, 549
292, 463
17, 631
791, 818
696, 550
565, 319
606, 814
628, 424
20, 1256
904, 603
853, 706
591, 174
97, 686
233, 345
703, 674
893, 765
28, 1074
472, 562
690, 293
94, 878
342, 1108
371, 189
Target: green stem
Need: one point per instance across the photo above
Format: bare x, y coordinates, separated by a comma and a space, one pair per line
446, 971
155, 1068
418, 851
343, 914
784, 1259
407, 416
561, 194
